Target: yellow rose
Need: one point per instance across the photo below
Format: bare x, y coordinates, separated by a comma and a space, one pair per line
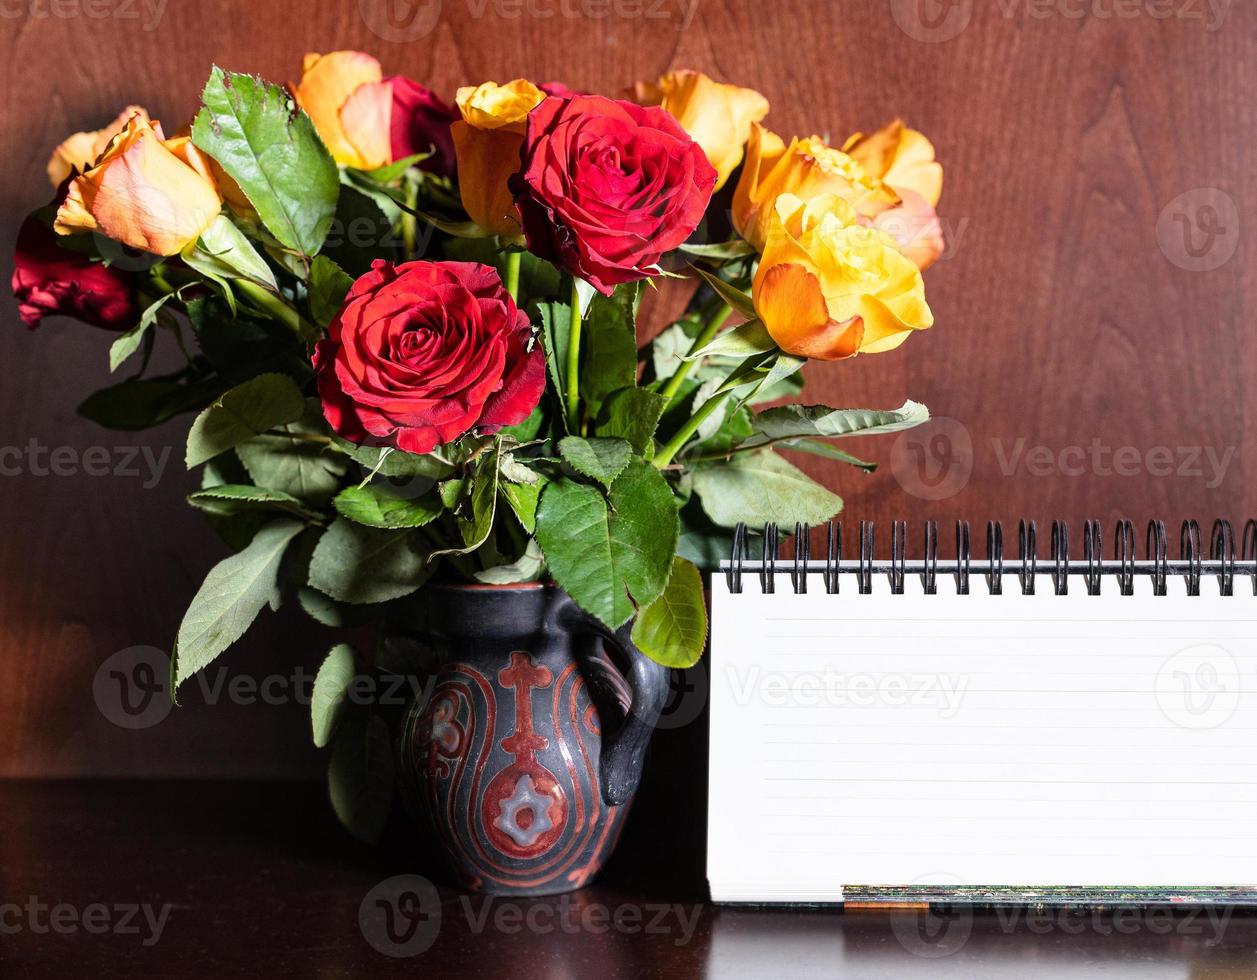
718, 117
486, 144
904, 160
347, 99
143, 193
829, 287
81, 150
807, 168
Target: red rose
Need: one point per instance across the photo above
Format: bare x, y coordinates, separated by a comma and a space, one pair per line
425, 351
420, 123
48, 279
608, 187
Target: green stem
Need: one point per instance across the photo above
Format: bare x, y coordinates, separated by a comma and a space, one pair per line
409, 224
678, 441
573, 365
513, 260
710, 329
268, 302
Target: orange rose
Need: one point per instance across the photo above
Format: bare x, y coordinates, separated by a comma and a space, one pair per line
144, 192
486, 145
718, 117
80, 151
347, 99
903, 159
807, 168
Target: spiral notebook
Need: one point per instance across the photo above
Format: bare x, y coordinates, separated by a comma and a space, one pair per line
1029, 730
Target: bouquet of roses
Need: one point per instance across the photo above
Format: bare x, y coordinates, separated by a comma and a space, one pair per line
407, 332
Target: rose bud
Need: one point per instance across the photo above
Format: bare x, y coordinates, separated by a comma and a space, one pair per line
807, 168
143, 193
718, 117
829, 287
424, 352
487, 141
608, 187
50, 280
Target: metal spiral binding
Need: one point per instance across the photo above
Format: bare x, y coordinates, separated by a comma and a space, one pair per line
1223, 550
1029, 558
1192, 564
1060, 557
995, 557
1093, 551
929, 575
962, 557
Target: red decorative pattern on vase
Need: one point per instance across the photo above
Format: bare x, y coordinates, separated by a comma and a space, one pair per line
524, 809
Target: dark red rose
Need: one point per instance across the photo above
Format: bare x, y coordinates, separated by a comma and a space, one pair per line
558, 90
48, 280
425, 351
608, 187
420, 123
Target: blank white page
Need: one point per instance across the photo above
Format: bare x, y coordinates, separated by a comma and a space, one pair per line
866, 741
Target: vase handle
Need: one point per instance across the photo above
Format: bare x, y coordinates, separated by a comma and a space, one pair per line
624, 752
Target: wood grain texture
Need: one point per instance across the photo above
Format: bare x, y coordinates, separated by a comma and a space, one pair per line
1072, 313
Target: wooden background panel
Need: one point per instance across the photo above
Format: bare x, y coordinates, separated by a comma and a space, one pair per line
1091, 357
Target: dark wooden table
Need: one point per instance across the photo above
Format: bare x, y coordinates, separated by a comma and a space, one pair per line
201, 879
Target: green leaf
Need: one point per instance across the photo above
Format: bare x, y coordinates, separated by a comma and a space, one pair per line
327, 611
391, 171
632, 414
231, 498
358, 564
527, 568
556, 333
672, 630
760, 488
522, 499
735, 248
329, 284
327, 699
292, 460
223, 252
739, 301
819, 421
670, 347
609, 347
246, 411
375, 507
360, 775
614, 552
270, 148
144, 402
482, 502
129, 342
599, 459
824, 449
390, 462
743, 340
233, 593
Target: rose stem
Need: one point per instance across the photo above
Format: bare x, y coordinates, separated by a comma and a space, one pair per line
674, 445
573, 365
513, 260
268, 302
710, 329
